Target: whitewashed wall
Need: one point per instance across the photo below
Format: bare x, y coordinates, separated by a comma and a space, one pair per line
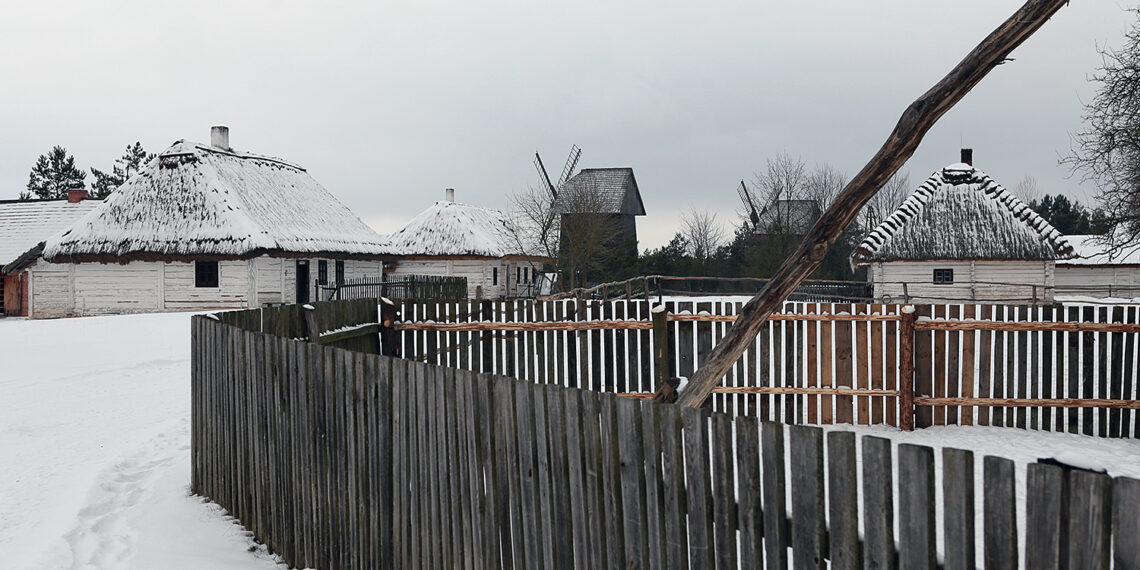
479, 273
1098, 280
985, 281
78, 289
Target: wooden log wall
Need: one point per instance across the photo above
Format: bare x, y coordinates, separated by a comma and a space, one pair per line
338, 459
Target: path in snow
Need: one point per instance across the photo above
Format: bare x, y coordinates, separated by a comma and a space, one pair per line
94, 440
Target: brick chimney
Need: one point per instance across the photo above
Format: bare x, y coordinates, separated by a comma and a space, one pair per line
968, 156
220, 137
76, 195
449, 194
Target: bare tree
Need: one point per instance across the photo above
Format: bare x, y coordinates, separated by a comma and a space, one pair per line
587, 237
886, 200
704, 235
1027, 189
536, 221
784, 178
823, 184
1107, 152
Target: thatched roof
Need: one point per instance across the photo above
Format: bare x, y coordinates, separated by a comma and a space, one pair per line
25, 224
960, 213
198, 201
600, 191
453, 229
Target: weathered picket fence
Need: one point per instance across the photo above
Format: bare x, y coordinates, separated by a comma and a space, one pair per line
340, 459
1057, 368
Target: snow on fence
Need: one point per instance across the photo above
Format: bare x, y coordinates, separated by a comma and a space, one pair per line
1055, 368
341, 459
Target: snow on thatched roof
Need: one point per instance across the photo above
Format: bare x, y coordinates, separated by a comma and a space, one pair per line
24, 224
195, 200
1095, 250
961, 213
600, 191
453, 229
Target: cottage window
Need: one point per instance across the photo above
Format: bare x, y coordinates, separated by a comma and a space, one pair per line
340, 272
323, 272
943, 275
526, 275
494, 276
205, 273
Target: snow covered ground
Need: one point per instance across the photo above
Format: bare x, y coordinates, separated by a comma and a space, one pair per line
94, 449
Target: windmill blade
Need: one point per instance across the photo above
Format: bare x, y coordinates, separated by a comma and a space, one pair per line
746, 197
571, 164
542, 173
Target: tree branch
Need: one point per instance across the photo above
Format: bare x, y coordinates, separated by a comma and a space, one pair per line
916, 120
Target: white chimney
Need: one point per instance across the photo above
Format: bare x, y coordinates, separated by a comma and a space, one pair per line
449, 194
220, 137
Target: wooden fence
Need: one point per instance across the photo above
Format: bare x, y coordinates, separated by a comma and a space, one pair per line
1057, 368
339, 459
399, 287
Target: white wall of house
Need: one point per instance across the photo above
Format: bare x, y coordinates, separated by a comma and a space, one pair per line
79, 289
490, 277
1098, 280
1013, 282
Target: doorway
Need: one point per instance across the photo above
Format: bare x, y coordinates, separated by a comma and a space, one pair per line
302, 281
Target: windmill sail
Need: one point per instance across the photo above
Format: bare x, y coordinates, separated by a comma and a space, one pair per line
571, 164
746, 197
542, 173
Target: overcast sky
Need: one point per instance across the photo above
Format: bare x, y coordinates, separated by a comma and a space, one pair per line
386, 104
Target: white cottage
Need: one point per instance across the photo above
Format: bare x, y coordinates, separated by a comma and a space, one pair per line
480, 244
204, 227
961, 237
1098, 270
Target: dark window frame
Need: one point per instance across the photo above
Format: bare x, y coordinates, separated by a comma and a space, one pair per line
322, 272
944, 276
340, 272
206, 274
494, 276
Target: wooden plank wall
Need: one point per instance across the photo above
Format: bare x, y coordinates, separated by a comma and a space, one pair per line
344, 460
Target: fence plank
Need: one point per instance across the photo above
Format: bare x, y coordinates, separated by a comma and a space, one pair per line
958, 509
1000, 513
575, 445
724, 492
1125, 523
878, 505
544, 500
673, 485
808, 524
1044, 493
843, 501
655, 511
916, 507
631, 450
699, 488
561, 526
774, 484
1089, 520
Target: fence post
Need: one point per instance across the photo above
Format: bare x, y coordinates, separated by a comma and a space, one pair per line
311, 329
665, 389
906, 368
389, 314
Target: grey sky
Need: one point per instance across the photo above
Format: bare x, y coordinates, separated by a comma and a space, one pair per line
386, 105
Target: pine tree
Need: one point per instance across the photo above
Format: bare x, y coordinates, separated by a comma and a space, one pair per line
125, 166
53, 174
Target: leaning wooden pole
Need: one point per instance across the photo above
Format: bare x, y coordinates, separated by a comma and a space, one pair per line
916, 120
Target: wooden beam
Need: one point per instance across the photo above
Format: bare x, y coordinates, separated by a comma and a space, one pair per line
916, 120
1030, 402
1019, 326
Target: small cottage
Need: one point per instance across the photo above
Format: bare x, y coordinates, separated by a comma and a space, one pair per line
1097, 270
608, 192
24, 225
961, 237
480, 244
204, 227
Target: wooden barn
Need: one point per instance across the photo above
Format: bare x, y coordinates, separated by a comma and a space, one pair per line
962, 237
602, 192
24, 225
1098, 271
480, 244
204, 227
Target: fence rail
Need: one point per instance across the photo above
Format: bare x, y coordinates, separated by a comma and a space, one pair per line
339, 459
969, 364
398, 287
